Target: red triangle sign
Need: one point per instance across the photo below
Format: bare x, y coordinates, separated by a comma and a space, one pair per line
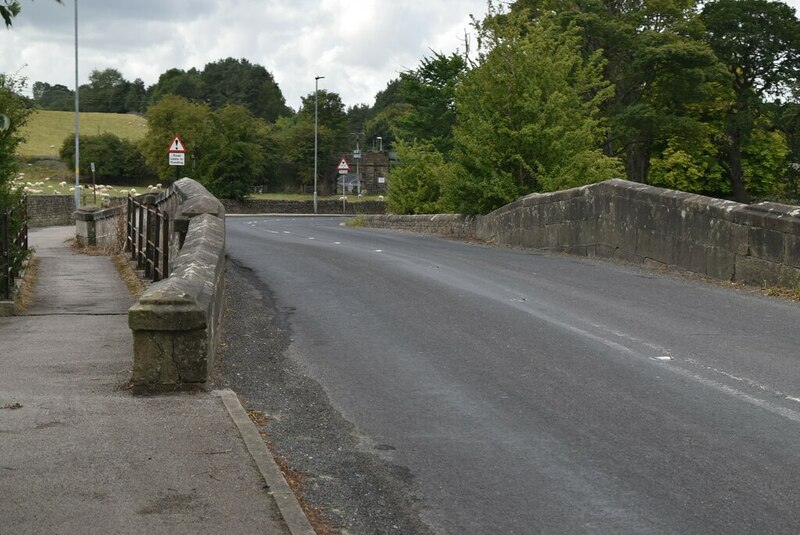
343, 165
177, 145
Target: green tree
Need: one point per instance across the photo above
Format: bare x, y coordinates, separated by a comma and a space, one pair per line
528, 114
8, 11
117, 160
657, 62
415, 185
106, 92
186, 84
227, 149
172, 116
232, 81
333, 134
13, 114
430, 90
53, 97
235, 159
759, 42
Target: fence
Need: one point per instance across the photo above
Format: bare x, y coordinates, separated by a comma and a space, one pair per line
13, 246
147, 236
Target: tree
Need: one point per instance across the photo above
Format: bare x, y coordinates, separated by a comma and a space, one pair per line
235, 159
528, 114
232, 81
227, 149
186, 84
334, 135
655, 59
415, 185
12, 107
117, 160
53, 97
8, 11
106, 92
430, 89
759, 42
174, 115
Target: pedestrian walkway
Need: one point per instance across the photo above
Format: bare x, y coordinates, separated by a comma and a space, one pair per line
78, 452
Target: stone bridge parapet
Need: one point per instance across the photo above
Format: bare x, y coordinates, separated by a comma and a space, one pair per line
176, 321
755, 244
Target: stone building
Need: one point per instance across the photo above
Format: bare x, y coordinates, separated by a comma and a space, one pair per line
373, 167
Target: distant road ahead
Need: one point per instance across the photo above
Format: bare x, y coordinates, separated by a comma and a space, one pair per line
545, 394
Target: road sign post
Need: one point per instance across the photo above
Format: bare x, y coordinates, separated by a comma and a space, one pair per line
343, 169
176, 154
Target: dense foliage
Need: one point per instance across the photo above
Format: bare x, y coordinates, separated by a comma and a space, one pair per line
688, 94
117, 161
699, 96
227, 149
13, 116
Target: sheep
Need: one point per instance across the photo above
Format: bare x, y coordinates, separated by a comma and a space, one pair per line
154, 190
380, 197
62, 184
123, 192
158, 185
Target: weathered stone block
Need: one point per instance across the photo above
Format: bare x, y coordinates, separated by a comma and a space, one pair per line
766, 244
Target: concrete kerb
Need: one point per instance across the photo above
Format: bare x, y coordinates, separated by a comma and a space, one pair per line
290, 509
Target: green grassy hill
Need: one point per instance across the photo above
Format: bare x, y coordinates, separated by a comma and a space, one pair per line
46, 130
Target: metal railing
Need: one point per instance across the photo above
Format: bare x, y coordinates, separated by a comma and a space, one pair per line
13, 246
147, 237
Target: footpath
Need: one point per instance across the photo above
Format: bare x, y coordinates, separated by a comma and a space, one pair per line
80, 454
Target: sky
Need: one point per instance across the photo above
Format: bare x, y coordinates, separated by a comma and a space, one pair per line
357, 45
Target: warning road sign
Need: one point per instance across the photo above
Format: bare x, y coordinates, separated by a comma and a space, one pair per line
176, 145
343, 167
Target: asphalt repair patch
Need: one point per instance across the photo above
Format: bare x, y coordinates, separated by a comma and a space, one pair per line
344, 482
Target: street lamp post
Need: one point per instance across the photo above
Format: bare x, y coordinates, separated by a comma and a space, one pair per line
380, 142
77, 119
316, 143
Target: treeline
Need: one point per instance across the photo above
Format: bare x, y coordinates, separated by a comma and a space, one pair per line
700, 96
268, 140
696, 96
227, 81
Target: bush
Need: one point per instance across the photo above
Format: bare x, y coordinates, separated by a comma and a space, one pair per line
116, 160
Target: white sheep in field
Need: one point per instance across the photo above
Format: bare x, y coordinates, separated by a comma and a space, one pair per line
158, 185
154, 190
380, 197
123, 192
132, 191
62, 184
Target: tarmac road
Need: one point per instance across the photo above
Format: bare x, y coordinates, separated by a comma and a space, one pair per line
487, 390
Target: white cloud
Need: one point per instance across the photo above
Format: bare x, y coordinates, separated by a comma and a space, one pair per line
358, 45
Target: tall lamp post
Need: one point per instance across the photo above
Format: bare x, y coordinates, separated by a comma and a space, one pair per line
316, 143
77, 119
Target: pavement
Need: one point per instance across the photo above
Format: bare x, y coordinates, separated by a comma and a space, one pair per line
79, 453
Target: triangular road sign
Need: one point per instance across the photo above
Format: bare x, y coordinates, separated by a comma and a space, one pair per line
176, 145
343, 165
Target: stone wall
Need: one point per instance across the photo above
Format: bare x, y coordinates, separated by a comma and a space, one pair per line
176, 322
331, 207
100, 228
50, 210
450, 225
756, 244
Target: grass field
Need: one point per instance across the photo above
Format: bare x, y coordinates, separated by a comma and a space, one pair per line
46, 130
